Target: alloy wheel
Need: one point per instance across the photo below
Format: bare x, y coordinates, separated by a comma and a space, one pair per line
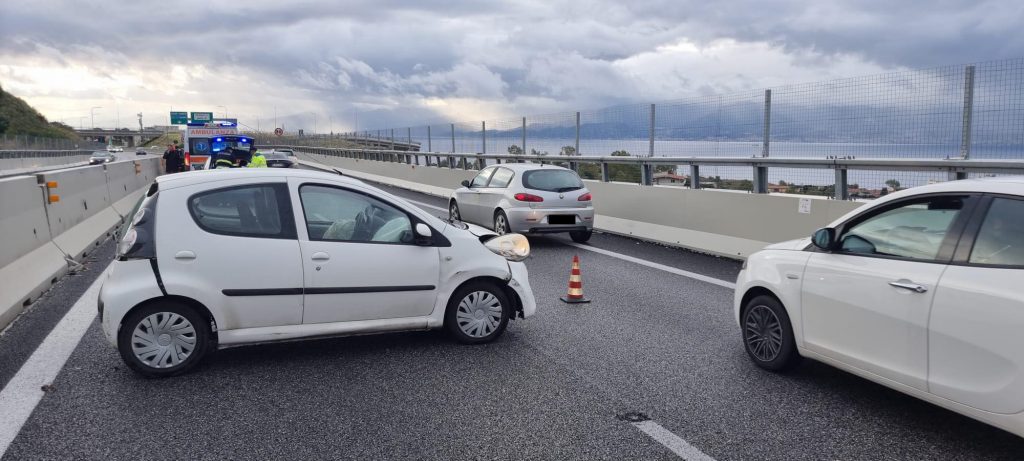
500, 224
763, 333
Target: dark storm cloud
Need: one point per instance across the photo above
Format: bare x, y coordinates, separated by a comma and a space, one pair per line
385, 55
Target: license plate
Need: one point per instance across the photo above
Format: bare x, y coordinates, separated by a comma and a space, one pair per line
561, 219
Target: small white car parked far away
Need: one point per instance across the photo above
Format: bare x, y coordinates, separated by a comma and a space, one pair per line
921, 291
230, 257
528, 198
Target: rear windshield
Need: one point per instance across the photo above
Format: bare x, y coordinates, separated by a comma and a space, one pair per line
552, 180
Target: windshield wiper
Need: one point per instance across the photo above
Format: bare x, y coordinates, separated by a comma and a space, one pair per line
567, 189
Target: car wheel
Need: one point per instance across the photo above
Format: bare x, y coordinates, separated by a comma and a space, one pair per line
501, 223
163, 339
768, 335
477, 313
580, 236
453, 212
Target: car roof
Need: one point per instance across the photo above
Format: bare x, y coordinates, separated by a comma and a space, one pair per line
1013, 185
189, 178
520, 167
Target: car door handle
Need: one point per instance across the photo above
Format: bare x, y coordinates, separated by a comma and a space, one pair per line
320, 256
185, 254
908, 285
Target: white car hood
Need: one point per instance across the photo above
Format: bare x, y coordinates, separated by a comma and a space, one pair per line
479, 231
795, 244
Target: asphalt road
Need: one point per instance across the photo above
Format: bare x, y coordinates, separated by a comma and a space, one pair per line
552, 388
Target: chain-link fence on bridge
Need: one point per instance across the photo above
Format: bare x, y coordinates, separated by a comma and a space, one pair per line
973, 111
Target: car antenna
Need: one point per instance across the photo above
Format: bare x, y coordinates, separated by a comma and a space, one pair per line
338, 171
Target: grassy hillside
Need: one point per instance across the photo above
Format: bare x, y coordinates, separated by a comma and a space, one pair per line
19, 118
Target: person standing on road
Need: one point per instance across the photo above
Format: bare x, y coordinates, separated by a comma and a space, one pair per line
257, 159
172, 159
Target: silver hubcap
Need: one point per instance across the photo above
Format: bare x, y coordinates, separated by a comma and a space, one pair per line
163, 340
453, 212
763, 333
479, 314
500, 225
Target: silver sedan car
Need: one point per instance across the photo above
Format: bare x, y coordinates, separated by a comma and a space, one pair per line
526, 198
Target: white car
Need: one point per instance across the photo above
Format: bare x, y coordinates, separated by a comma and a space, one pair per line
233, 257
920, 291
526, 197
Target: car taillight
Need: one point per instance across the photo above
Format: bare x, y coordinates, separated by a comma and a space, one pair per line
585, 197
528, 197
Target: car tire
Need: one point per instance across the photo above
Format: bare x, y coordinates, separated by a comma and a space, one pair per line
501, 226
453, 211
580, 236
768, 334
166, 330
473, 310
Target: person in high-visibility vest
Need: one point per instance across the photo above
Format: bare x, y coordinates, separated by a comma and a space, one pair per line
257, 160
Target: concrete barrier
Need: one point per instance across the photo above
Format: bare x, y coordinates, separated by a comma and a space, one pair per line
82, 217
726, 223
40, 237
29, 261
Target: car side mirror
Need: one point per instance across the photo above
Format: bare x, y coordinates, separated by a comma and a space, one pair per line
824, 238
423, 234
465, 183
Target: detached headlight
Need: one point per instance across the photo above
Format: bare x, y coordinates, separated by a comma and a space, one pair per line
513, 247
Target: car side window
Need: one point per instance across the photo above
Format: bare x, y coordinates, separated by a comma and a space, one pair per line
481, 179
912, 230
259, 210
501, 178
1000, 240
339, 215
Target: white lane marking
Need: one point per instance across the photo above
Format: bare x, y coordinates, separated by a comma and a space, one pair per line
642, 262
653, 265
671, 441
24, 391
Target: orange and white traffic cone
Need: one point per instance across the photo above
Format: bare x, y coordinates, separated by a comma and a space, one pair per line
575, 295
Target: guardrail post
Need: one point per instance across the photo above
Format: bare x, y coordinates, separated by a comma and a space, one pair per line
842, 191
524, 137
483, 135
650, 148
694, 176
760, 180
965, 137
604, 172
767, 123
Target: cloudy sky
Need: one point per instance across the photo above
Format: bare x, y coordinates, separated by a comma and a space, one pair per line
394, 63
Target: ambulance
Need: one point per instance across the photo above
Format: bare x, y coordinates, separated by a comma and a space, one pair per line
204, 140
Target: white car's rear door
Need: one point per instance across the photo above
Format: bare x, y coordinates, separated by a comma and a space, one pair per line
976, 333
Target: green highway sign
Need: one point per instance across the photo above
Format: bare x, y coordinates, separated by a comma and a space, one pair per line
179, 118
202, 116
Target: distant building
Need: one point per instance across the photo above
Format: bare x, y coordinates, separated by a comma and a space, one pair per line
777, 189
670, 179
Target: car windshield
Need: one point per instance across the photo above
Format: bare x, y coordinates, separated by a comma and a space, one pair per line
552, 180
276, 156
99, 154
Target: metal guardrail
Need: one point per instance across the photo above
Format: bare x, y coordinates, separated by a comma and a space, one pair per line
953, 168
33, 153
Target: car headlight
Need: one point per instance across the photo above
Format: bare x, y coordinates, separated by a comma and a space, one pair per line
513, 247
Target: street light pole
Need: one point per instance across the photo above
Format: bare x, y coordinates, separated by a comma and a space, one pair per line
92, 116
